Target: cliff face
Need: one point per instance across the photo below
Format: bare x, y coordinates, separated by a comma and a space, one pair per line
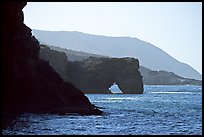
96, 75
59, 60
30, 84
151, 77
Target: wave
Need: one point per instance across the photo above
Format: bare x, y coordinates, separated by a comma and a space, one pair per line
172, 92
122, 98
107, 101
116, 99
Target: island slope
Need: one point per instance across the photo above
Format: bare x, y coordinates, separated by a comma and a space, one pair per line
29, 83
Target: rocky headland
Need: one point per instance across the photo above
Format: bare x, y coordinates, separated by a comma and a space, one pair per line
73, 66
96, 74
149, 55
29, 84
152, 77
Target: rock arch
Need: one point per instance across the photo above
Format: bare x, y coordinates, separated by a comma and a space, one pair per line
96, 75
115, 87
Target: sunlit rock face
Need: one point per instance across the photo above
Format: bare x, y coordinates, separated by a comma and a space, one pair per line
30, 84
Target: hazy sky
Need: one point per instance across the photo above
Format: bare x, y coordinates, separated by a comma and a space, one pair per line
175, 27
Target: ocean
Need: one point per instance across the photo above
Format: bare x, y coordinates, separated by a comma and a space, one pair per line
161, 110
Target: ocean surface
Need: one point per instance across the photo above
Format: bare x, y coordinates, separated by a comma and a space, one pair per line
161, 110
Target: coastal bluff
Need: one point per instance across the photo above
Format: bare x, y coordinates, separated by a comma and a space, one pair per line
66, 62
30, 85
98, 74
95, 75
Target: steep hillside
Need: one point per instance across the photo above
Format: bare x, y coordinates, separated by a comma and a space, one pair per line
149, 55
151, 77
78, 70
29, 83
75, 55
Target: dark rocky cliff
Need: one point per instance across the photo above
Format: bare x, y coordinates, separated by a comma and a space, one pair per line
57, 59
30, 84
96, 75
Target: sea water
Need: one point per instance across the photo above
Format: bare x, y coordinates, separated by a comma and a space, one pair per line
161, 110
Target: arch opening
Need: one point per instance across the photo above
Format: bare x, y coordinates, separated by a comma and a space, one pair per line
114, 88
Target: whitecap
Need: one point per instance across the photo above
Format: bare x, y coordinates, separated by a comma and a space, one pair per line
124, 98
171, 92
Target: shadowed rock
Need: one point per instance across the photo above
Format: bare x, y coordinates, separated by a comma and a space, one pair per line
58, 60
30, 84
101, 73
94, 74
151, 77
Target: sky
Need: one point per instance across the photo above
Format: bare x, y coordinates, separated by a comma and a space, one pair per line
174, 27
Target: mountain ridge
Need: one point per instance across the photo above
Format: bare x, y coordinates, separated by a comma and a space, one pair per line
149, 55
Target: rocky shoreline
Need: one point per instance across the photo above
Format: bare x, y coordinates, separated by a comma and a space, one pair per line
30, 85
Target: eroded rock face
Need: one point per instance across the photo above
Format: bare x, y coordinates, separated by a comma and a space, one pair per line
150, 77
101, 73
30, 84
96, 75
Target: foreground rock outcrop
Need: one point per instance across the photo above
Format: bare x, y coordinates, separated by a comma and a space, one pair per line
96, 75
30, 84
